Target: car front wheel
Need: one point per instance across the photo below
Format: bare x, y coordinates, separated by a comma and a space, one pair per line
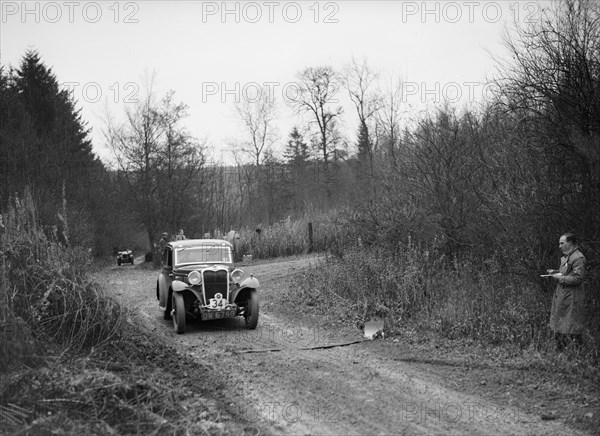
251, 315
178, 313
167, 312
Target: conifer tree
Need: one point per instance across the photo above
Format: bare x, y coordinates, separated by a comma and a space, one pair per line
45, 145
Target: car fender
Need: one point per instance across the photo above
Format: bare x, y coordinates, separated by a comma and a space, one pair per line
250, 282
247, 286
178, 286
181, 287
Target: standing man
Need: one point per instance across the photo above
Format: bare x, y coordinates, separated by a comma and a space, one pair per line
164, 240
158, 249
567, 316
180, 236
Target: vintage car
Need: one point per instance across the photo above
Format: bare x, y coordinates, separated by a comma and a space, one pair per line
125, 256
199, 281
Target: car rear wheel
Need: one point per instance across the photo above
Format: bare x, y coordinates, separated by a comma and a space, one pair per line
178, 313
251, 315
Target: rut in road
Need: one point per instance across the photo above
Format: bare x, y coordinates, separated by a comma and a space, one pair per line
294, 377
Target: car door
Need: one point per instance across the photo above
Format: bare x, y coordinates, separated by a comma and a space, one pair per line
165, 278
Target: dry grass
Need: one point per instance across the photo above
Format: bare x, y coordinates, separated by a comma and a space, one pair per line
69, 361
289, 238
413, 289
46, 298
133, 386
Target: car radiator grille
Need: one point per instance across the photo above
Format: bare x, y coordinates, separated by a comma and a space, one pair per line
214, 282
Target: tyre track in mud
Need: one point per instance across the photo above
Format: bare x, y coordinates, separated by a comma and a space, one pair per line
340, 390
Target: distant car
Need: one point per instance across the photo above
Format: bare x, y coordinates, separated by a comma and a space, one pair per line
125, 256
199, 281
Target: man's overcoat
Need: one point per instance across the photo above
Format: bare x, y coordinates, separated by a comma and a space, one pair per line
567, 315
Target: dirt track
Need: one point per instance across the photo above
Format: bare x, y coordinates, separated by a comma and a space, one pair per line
278, 381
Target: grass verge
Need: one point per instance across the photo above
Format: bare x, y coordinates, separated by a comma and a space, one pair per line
72, 363
138, 385
478, 334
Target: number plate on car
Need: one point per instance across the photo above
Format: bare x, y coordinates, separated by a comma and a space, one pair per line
218, 314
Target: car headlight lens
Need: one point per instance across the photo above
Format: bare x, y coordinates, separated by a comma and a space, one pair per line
194, 278
237, 275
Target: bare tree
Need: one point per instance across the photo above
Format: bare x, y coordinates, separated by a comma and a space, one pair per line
441, 167
359, 80
317, 94
257, 116
182, 157
158, 159
389, 111
553, 82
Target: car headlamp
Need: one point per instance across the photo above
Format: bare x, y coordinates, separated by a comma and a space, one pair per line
237, 275
194, 278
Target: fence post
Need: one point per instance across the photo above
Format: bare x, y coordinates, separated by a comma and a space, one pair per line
310, 238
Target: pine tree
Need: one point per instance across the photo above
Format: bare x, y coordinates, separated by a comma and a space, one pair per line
17, 139
45, 147
363, 144
296, 151
63, 153
297, 158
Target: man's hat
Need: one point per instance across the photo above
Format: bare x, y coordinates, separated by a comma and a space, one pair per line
165, 234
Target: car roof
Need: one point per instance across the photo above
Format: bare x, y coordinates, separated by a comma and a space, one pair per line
196, 242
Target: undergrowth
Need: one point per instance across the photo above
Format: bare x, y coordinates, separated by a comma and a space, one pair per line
70, 363
292, 237
131, 386
413, 289
46, 298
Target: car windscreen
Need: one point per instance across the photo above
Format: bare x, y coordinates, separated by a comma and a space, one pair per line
214, 253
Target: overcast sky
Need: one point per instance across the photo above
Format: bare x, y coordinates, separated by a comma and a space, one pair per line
212, 53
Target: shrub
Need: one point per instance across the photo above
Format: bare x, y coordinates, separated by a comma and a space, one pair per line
288, 238
413, 287
45, 295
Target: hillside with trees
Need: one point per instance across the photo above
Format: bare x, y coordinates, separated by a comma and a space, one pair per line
447, 219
